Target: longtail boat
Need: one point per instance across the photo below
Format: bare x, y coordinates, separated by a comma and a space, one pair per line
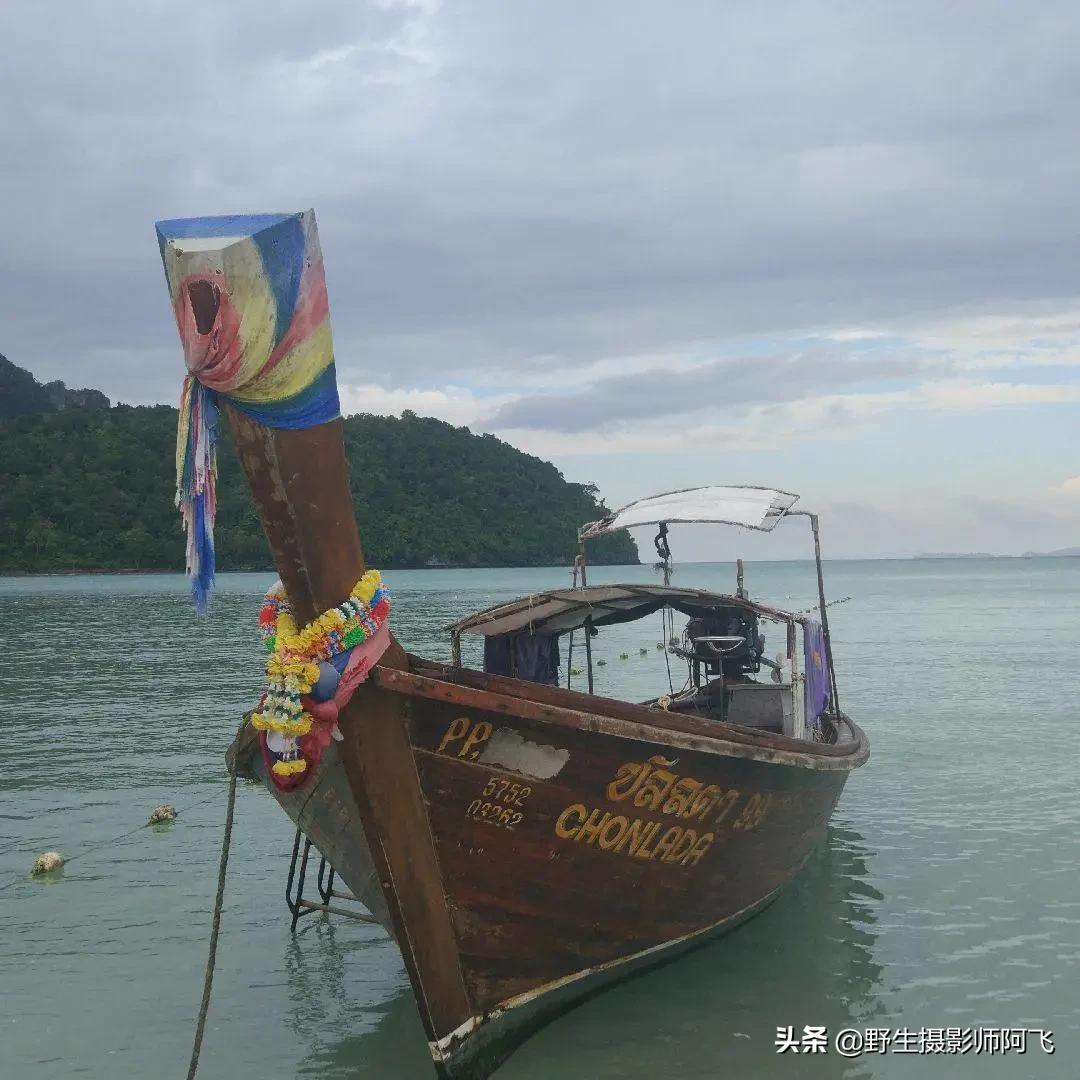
526, 844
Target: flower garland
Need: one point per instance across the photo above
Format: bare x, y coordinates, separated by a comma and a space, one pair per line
298, 660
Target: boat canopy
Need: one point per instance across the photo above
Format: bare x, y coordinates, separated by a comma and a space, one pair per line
751, 507
563, 610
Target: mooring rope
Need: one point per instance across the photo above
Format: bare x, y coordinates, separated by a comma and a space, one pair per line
215, 925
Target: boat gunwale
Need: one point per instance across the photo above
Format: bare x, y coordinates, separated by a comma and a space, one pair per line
729, 742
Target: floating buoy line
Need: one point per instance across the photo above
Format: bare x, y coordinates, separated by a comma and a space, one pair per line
49, 862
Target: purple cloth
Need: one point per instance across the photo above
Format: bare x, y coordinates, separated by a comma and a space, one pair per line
817, 671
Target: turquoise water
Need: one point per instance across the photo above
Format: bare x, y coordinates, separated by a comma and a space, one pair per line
948, 894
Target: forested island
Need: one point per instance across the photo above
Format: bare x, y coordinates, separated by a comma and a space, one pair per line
86, 485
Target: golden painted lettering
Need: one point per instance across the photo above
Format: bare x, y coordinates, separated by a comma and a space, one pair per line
693, 856
754, 812
704, 801
457, 730
681, 800
613, 832
682, 847
504, 790
668, 843
727, 803
643, 851
593, 824
480, 734
641, 838
493, 814
635, 838
575, 814
473, 735
657, 784
627, 780
653, 786
631, 836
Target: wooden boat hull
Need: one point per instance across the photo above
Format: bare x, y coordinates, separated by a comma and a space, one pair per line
524, 844
568, 849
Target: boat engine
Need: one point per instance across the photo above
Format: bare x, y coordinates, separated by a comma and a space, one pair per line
727, 642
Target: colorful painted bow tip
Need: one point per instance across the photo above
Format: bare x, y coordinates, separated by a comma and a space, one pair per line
249, 296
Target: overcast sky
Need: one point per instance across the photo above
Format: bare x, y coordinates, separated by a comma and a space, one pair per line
830, 247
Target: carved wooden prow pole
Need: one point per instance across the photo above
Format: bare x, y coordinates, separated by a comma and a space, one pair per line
299, 480
249, 297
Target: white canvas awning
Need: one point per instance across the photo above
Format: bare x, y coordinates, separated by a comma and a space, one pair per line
751, 507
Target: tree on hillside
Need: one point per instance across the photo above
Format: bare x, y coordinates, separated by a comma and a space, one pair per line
88, 489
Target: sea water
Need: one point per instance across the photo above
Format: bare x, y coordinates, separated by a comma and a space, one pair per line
947, 894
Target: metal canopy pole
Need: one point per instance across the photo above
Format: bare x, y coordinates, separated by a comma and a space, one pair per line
588, 622
570, 649
824, 612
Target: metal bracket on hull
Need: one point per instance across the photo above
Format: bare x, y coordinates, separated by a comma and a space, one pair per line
324, 882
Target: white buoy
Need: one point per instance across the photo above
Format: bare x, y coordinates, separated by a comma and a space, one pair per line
46, 863
161, 813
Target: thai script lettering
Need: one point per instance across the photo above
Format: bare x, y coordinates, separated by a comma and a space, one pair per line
653, 786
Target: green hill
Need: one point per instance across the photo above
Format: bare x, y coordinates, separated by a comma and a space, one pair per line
90, 488
21, 393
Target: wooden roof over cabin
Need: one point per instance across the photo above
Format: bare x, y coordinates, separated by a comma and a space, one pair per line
562, 610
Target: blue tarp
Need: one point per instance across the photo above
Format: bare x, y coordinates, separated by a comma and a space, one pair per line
533, 657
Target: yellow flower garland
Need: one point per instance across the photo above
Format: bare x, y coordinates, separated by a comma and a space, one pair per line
292, 667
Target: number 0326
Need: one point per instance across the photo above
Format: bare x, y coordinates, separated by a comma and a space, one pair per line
493, 813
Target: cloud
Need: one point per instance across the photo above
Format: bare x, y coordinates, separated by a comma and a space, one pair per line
1022, 335
724, 384
453, 404
513, 187
772, 426
626, 230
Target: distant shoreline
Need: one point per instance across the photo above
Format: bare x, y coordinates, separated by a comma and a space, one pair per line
131, 571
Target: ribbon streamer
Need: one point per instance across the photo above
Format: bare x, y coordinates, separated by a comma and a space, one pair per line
249, 298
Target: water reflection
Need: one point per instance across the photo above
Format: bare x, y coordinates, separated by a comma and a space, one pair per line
396, 1049
808, 959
